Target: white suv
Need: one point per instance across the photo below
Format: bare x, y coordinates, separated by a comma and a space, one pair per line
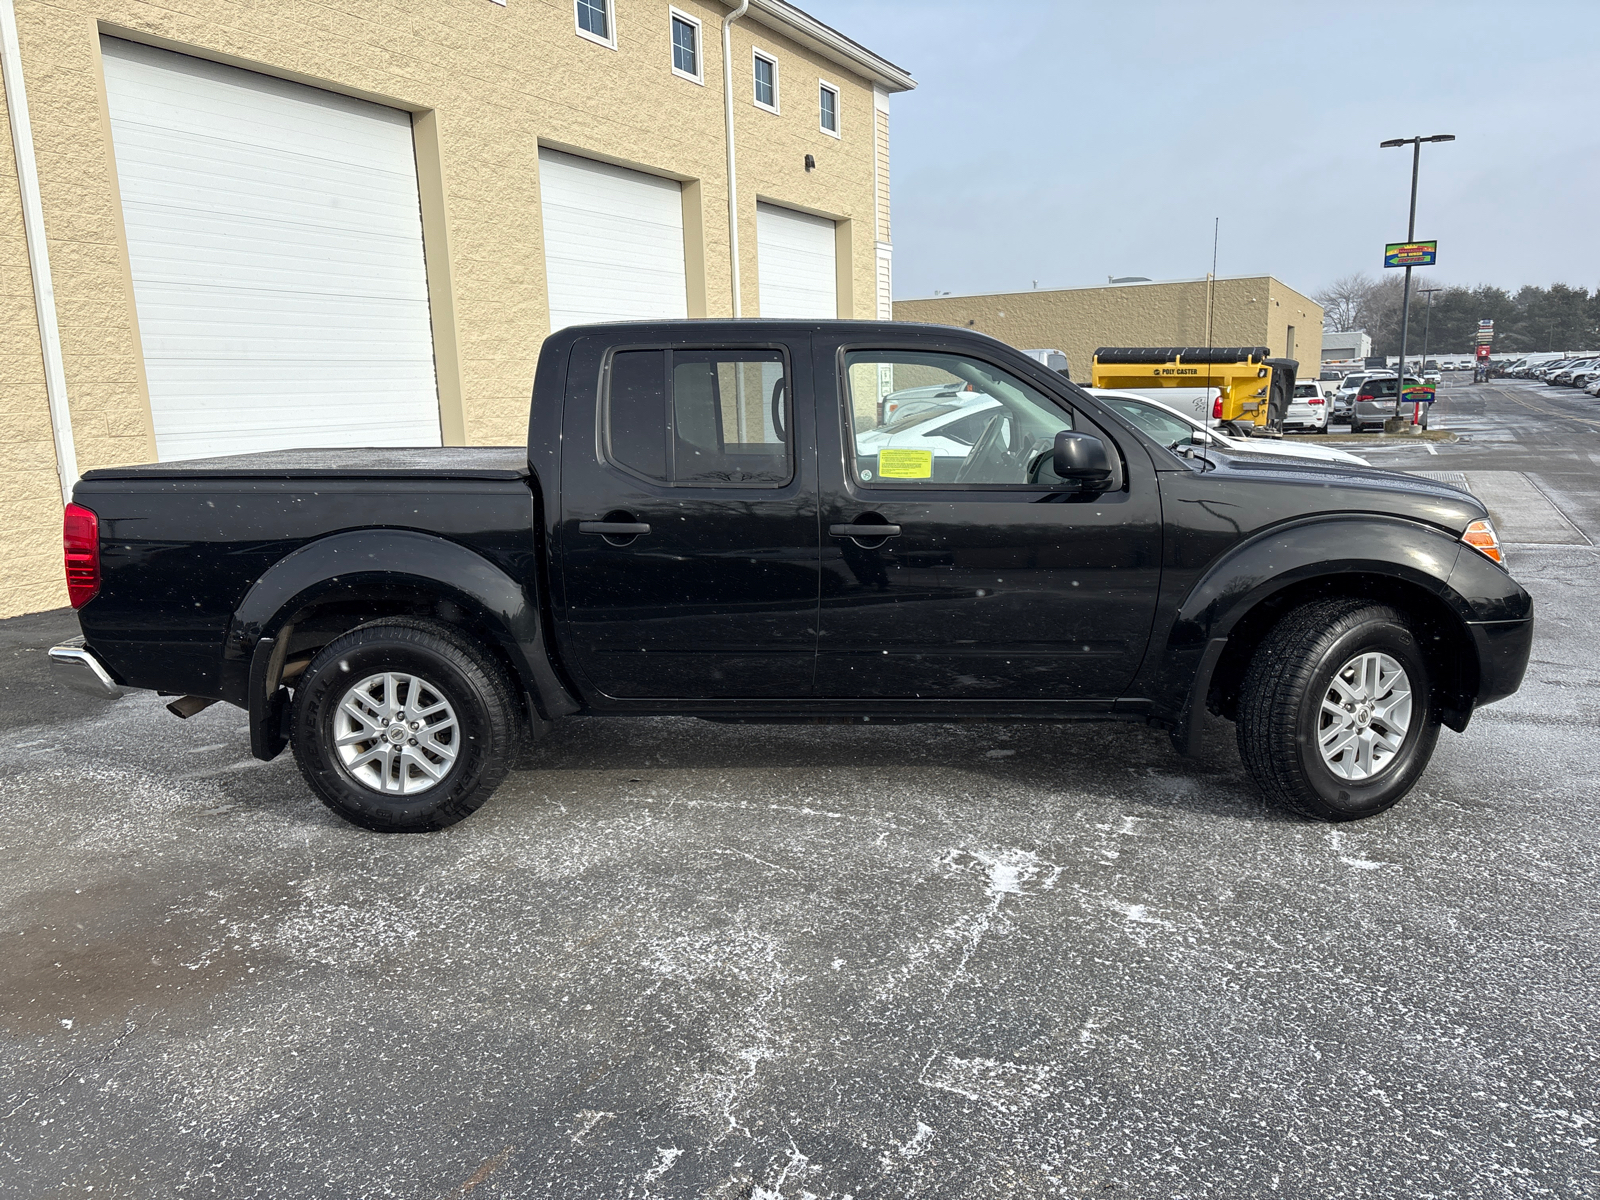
1308, 407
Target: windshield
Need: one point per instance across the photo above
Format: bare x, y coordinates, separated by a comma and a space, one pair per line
1306, 389
1354, 381
1167, 428
919, 415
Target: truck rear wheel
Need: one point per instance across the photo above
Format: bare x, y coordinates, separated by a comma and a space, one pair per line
403, 727
1337, 720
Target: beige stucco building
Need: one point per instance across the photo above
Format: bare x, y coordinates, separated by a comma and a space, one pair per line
353, 222
1252, 311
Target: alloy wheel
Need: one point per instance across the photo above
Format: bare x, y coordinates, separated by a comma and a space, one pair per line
1365, 714
396, 733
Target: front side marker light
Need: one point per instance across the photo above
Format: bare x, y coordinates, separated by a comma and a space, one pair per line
1480, 535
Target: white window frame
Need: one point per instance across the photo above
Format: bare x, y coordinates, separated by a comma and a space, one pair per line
777, 91
610, 43
838, 118
699, 46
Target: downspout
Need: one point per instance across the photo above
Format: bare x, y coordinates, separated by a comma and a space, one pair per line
44, 293
727, 133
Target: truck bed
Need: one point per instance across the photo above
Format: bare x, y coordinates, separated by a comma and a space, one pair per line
184, 542
387, 462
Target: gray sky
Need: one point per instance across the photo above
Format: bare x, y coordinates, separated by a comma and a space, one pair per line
1065, 142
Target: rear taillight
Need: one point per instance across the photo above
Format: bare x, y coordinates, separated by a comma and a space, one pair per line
1315, 400
80, 539
1216, 409
1367, 396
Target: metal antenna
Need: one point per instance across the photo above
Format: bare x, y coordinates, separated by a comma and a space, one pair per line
1211, 308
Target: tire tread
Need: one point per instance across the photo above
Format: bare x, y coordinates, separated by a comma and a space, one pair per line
468, 658
1276, 680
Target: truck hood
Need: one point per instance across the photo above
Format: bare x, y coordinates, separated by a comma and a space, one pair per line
1310, 487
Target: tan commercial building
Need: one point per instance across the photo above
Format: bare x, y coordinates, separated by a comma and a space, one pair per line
243, 226
1252, 311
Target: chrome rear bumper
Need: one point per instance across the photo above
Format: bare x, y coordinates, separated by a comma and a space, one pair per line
88, 672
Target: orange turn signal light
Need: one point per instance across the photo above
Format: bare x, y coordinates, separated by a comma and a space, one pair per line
1480, 535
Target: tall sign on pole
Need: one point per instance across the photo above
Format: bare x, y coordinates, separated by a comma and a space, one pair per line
1409, 260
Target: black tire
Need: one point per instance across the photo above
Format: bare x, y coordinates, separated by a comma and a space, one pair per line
1281, 707
483, 740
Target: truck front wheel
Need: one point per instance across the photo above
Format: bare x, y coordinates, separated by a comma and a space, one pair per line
402, 727
1337, 719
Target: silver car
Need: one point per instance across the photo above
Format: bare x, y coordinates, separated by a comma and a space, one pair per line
1375, 403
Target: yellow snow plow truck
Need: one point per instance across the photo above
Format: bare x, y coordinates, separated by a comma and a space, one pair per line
1255, 388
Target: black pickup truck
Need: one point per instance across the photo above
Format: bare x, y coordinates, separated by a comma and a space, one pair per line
776, 521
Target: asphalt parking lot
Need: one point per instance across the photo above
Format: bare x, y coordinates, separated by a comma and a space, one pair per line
679, 959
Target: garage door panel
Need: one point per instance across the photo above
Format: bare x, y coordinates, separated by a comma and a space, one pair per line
278, 115
274, 232
796, 258
243, 180
211, 254
613, 242
199, 323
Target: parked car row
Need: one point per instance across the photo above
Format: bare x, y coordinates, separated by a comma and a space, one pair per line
1577, 373
1571, 370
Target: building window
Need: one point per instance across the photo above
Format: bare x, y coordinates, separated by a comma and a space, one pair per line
766, 71
594, 22
828, 108
686, 46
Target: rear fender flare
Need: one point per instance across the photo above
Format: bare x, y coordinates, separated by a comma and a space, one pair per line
348, 561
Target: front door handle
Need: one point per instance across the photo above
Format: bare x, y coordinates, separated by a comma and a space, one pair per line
864, 531
614, 528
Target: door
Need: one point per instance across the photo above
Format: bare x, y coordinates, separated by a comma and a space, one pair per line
613, 242
994, 580
688, 542
275, 238
796, 264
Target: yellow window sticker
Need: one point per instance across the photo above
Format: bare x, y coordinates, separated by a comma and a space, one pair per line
905, 464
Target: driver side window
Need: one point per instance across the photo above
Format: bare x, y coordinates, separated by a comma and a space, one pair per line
931, 419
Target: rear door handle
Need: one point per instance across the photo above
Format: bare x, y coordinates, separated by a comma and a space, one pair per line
864, 531
613, 528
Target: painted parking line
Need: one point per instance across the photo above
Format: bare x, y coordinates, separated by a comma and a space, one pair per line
1522, 512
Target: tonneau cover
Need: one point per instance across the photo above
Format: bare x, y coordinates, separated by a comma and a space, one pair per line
455, 462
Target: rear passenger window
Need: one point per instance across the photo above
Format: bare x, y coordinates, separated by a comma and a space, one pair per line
636, 408
700, 418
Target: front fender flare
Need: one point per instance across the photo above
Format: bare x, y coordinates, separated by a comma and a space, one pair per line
1280, 558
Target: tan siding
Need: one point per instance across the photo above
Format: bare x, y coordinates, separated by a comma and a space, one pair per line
881, 169
30, 490
1247, 312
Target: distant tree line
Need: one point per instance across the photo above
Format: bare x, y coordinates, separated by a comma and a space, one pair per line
1558, 317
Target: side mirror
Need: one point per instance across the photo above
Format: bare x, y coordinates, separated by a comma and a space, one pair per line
1082, 458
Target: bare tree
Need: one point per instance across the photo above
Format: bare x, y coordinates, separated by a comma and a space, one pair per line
1344, 300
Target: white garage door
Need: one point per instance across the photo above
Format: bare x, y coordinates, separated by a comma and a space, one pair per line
276, 244
613, 242
796, 264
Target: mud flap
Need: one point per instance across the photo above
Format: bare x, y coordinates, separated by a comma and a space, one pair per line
1189, 731
269, 711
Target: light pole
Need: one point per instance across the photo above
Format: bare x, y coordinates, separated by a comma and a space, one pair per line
1411, 235
1427, 322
